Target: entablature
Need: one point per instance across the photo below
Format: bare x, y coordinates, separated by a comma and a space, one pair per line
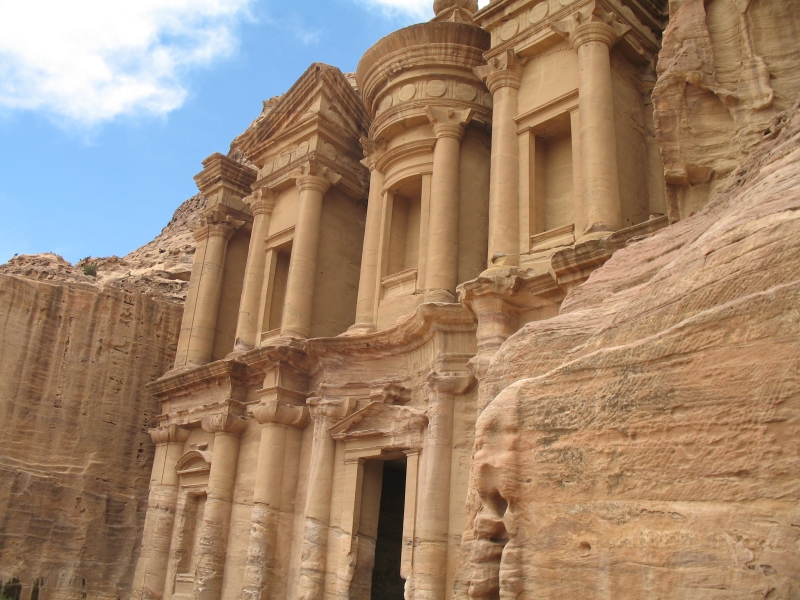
531, 28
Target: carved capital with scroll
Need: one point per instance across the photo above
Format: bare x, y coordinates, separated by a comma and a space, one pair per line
280, 413
214, 223
224, 423
262, 201
592, 24
312, 175
171, 434
504, 70
448, 122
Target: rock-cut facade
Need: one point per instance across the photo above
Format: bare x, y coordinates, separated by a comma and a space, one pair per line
357, 268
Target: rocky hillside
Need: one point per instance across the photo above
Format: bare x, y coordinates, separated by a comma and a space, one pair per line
645, 443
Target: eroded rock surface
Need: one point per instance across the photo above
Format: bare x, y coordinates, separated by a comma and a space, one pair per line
727, 73
76, 352
646, 442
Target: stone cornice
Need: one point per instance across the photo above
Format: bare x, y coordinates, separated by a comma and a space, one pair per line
355, 183
428, 320
533, 32
297, 105
192, 379
220, 171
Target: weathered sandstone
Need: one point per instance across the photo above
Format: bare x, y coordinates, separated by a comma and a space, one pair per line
645, 441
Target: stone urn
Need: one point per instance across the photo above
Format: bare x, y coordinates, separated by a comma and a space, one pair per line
442, 5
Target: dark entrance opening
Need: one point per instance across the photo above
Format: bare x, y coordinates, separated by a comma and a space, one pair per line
386, 581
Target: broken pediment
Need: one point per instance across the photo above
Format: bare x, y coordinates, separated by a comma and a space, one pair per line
402, 425
194, 462
322, 93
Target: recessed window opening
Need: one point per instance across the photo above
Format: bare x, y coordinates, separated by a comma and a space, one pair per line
284, 254
553, 175
193, 519
404, 233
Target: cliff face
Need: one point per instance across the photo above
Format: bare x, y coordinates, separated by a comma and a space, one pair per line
727, 74
76, 352
645, 443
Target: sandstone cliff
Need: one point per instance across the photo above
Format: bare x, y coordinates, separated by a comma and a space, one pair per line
727, 72
645, 443
76, 352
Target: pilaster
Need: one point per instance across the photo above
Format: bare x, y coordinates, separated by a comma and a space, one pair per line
312, 180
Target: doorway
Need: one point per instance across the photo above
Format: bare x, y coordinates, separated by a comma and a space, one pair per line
386, 581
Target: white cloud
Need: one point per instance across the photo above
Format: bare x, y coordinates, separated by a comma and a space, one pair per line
422, 9
92, 60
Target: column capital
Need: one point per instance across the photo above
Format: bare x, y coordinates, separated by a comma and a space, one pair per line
280, 413
391, 393
314, 176
262, 201
593, 24
448, 122
224, 423
214, 223
448, 382
170, 434
504, 70
373, 152
337, 409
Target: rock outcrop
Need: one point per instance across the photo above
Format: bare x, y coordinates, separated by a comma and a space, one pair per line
76, 352
645, 443
727, 73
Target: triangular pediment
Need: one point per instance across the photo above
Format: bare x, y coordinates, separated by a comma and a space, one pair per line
322, 93
379, 419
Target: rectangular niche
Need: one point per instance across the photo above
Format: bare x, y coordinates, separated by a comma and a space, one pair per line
276, 278
553, 196
402, 251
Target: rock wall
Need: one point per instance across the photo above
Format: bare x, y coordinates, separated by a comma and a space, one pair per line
645, 443
727, 73
76, 456
76, 352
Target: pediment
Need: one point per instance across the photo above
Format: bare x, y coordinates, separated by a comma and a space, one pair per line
322, 92
194, 462
379, 419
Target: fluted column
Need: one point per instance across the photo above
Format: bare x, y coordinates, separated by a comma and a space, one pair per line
317, 514
213, 535
151, 570
442, 264
370, 256
313, 181
198, 330
276, 418
262, 203
593, 34
430, 557
503, 77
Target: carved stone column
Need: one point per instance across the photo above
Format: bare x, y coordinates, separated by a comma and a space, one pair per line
262, 203
442, 264
503, 77
430, 557
198, 330
370, 257
213, 535
151, 570
317, 516
275, 418
593, 34
313, 180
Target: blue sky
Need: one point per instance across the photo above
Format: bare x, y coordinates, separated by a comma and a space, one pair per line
107, 108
